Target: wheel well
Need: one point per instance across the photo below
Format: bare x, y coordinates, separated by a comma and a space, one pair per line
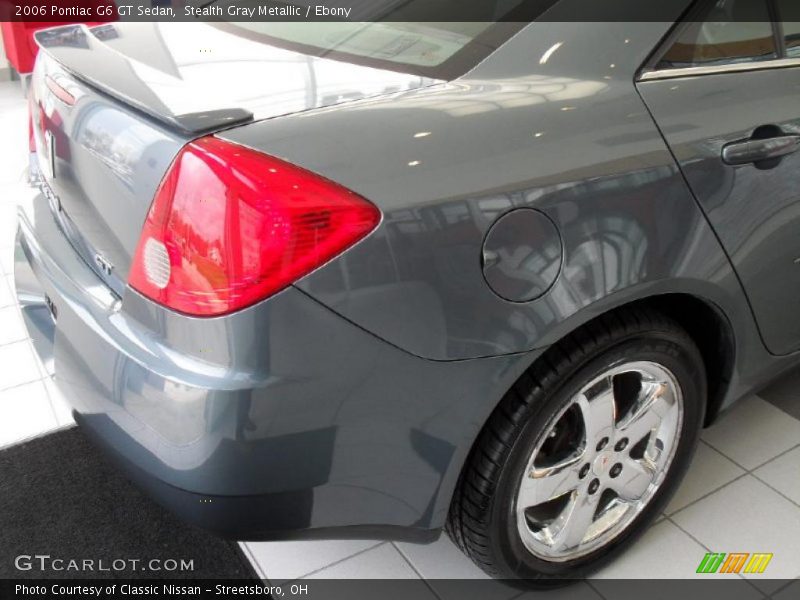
712, 332
709, 328
703, 321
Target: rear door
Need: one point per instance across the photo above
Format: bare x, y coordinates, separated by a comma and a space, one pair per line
725, 92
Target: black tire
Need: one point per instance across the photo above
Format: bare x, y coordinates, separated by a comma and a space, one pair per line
481, 520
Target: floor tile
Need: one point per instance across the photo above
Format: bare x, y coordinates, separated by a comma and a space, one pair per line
8, 230
748, 516
6, 296
784, 393
382, 562
783, 473
18, 365
285, 561
753, 432
11, 326
7, 257
663, 549
709, 471
61, 407
25, 412
377, 574
442, 560
253, 562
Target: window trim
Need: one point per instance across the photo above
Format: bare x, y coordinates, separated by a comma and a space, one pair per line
765, 65
649, 73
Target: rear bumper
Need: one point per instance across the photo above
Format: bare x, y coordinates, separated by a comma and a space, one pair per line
280, 421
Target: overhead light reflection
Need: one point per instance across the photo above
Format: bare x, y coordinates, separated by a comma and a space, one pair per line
546, 56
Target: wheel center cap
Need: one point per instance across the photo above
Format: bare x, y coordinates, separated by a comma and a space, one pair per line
602, 464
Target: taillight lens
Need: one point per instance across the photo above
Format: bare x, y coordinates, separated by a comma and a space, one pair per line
230, 226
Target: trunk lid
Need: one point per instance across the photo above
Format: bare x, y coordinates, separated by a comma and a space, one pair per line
113, 105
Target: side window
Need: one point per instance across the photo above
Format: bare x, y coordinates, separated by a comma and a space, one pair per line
789, 12
791, 31
724, 32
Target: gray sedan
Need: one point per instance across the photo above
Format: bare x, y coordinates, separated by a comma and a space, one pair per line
388, 279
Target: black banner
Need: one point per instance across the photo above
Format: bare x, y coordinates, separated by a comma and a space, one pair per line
601, 589
94, 11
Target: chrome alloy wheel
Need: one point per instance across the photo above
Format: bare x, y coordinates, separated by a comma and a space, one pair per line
600, 462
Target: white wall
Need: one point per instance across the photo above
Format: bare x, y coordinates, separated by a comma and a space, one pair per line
3, 59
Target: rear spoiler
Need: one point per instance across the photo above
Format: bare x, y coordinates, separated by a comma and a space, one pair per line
81, 51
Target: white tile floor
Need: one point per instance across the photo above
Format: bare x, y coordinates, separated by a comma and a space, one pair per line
741, 495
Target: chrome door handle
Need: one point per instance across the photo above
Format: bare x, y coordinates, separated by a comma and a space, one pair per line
760, 150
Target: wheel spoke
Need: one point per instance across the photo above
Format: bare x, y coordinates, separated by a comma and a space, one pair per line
553, 481
574, 522
598, 409
647, 412
634, 479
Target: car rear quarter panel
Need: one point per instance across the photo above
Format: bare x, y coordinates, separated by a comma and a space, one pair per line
551, 121
566, 134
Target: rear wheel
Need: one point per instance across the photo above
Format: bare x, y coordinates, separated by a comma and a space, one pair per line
583, 452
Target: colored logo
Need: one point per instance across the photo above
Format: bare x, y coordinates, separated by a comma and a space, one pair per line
734, 562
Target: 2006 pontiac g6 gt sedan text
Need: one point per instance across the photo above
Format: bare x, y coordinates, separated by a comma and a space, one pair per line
389, 279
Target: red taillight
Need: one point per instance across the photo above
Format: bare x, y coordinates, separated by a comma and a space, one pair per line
230, 226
